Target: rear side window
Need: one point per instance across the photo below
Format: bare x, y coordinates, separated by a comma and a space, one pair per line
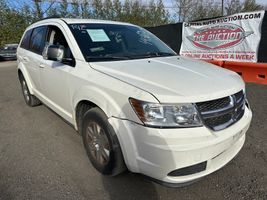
26, 40
37, 42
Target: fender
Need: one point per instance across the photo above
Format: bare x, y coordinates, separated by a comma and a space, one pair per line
113, 111
99, 97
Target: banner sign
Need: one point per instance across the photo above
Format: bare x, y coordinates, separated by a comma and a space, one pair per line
233, 38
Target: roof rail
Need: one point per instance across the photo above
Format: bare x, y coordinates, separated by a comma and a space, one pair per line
51, 17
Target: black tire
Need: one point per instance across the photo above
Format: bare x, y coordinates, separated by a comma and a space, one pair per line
105, 152
30, 99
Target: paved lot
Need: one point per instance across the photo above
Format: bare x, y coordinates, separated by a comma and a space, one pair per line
41, 157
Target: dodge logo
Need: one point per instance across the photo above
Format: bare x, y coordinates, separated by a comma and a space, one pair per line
218, 36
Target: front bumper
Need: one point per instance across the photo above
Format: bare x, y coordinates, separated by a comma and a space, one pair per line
8, 57
157, 152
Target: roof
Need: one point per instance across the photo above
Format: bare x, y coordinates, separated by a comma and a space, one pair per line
77, 21
95, 21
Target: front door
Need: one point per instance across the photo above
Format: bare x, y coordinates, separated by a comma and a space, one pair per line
54, 76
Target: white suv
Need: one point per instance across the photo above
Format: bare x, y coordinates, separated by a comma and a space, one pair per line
137, 104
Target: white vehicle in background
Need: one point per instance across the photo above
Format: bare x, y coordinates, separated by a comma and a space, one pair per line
137, 104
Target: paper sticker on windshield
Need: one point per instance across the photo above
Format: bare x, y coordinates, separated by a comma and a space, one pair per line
98, 35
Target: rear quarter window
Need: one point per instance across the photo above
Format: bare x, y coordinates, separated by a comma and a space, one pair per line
26, 40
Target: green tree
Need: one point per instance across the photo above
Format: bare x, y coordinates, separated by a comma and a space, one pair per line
86, 10
4, 9
26, 14
108, 10
98, 12
251, 5
144, 15
117, 7
236, 6
161, 15
126, 11
13, 24
13, 21
137, 13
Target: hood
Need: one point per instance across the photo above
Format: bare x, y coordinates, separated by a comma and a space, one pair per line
174, 79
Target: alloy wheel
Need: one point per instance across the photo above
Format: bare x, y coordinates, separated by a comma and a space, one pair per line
98, 143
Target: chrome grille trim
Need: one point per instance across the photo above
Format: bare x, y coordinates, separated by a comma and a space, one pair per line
223, 117
230, 105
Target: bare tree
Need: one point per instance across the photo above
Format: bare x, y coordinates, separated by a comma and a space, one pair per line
233, 6
188, 10
38, 9
205, 9
184, 8
63, 8
39, 12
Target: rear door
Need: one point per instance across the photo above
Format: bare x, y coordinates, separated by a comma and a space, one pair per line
33, 57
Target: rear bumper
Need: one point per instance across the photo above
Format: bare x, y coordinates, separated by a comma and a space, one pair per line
157, 152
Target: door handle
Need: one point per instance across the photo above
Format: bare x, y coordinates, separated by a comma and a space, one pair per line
41, 66
25, 59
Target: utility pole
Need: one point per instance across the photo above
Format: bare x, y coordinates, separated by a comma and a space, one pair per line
222, 7
180, 13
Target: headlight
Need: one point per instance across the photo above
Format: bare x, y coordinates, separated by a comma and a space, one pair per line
163, 115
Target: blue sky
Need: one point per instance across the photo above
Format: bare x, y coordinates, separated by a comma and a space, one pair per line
262, 2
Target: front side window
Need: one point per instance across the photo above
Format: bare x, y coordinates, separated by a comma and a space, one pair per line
37, 42
56, 37
105, 42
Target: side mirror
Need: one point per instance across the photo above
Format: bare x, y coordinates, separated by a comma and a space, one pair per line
53, 52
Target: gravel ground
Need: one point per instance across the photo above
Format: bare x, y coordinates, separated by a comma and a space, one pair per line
42, 157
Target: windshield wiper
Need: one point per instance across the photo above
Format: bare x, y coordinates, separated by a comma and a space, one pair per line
106, 58
154, 54
109, 57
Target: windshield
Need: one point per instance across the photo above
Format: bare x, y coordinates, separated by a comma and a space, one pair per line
9, 48
105, 42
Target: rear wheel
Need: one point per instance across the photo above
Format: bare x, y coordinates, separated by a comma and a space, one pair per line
30, 99
101, 143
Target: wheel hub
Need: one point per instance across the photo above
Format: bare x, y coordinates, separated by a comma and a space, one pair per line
25, 91
98, 143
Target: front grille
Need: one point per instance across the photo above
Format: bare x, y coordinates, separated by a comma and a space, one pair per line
213, 105
222, 113
217, 121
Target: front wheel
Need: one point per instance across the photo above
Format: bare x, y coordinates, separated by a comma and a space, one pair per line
101, 143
